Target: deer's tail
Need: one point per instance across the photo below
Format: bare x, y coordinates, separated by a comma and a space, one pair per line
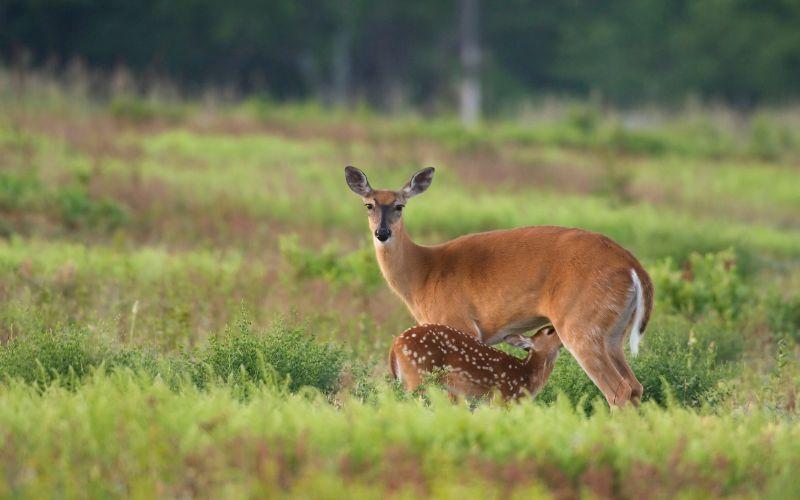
643, 297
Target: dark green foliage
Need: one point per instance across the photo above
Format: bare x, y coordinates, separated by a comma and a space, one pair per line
44, 357
357, 268
357, 379
689, 346
674, 359
18, 191
784, 315
24, 194
289, 354
569, 379
638, 141
283, 355
678, 357
68, 356
628, 52
768, 140
707, 283
79, 210
140, 110
139, 360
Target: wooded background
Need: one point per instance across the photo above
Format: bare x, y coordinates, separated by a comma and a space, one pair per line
394, 54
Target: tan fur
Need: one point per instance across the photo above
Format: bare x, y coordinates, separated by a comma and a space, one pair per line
497, 284
469, 367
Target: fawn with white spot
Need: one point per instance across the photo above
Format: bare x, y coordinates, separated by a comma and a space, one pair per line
471, 368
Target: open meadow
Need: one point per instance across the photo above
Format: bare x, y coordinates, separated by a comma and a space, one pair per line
190, 304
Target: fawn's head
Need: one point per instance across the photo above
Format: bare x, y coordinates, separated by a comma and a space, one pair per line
543, 346
385, 207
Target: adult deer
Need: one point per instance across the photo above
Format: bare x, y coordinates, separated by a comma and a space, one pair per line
471, 368
500, 284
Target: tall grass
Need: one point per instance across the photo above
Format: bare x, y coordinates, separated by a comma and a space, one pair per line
134, 230
121, 435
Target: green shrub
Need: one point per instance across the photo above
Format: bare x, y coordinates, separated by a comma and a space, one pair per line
585, 120
284, 355
140, 360
709, 283
674, 359
69, 356
636, 141
615, 183
71, 204
357, 268
18, 191
288, 353
140, 110
43, 357
769, 140
784, 315
356, 378
676, 355
78, 210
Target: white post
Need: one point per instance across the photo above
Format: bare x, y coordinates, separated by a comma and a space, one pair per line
470, 92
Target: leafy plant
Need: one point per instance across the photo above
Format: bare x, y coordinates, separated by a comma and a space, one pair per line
357, 268
18, 191
674, 362
79, 210
288, 354
768, 140
140, 110
43, 357
708, 283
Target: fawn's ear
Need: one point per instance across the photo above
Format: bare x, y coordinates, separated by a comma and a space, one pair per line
357, 181
546, 339
419, 182
519, 340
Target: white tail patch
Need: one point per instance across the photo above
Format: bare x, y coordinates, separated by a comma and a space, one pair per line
636, 333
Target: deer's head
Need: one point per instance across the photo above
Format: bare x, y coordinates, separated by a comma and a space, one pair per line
385, 207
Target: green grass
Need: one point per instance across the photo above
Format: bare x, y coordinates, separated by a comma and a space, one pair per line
123, 436
190, 305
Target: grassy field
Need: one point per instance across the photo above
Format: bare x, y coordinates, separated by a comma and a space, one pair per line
189, 304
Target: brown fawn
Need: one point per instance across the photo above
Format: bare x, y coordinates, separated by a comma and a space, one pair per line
500, 284
469, 367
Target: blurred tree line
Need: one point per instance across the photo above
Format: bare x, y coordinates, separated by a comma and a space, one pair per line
396, 53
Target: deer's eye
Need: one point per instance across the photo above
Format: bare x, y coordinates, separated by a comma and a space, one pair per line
369, 206
399, 208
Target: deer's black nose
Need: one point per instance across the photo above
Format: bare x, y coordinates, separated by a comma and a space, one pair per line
383, 233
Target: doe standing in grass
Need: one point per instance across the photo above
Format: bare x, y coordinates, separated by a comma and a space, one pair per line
469, 367
497, 285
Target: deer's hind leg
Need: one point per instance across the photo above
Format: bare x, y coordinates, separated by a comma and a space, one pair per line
614, 345
617, 354
618, 357
586, 341
592, 326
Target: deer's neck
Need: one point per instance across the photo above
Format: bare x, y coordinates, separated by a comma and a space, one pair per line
404, 264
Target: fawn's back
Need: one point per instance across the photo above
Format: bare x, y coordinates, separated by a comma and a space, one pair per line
468, 366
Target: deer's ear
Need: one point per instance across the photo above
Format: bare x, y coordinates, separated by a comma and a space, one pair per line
419, 182
357, 181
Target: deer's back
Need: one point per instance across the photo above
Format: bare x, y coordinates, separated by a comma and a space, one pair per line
523, 269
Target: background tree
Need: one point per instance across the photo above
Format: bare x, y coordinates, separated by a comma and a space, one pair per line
395, 54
